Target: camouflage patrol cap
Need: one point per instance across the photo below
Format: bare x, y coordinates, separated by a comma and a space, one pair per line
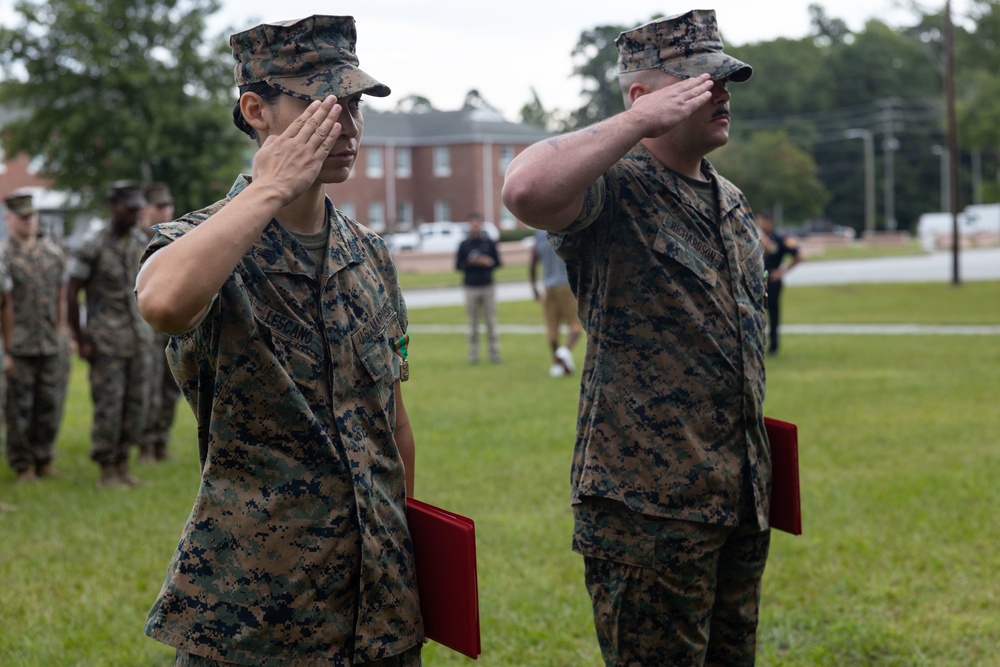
158, 194
128, 194
20, 202
683, 46
308, 58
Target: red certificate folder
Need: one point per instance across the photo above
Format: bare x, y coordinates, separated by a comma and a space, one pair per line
786, 508
444, 545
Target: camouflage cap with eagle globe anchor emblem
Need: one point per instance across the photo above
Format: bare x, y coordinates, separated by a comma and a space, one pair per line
683, 46
307, 58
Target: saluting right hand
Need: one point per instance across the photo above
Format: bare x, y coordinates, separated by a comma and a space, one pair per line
291, 161
665, 107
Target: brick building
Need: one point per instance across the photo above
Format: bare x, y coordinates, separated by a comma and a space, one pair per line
433, 165
412, 167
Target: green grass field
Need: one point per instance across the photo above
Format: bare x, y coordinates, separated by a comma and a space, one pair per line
900, 457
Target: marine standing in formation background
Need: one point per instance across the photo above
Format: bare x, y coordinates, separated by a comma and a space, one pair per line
39, 372
115, 341
7, 328
162, 389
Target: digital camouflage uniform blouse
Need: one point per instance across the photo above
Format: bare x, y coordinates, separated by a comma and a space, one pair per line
6, 285
107, 265
670, 419
297, 550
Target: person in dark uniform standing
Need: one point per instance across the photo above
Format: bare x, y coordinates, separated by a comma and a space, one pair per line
477, 257
776, 248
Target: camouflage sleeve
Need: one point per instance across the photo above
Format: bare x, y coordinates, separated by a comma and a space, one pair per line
593, 205
167, 233
82, 259
6, 281
394, 293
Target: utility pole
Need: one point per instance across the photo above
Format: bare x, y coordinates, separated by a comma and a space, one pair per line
977, 178
869, 147
945, 156
889, 147
949, 94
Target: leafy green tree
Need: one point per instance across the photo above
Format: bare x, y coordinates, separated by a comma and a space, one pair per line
535, 113
825, 29
414, 104
122, 89
774, 173
788, 78
596, 59
977, 90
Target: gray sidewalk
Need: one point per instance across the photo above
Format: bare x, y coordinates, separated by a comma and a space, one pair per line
974, 264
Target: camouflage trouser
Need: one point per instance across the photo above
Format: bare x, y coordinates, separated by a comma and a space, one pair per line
668, 592
163, 395
36, 386
408, 658
116, 388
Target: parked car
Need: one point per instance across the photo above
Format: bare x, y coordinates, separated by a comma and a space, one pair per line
820, 226
931, 226
399, 241
983, 218
438, 236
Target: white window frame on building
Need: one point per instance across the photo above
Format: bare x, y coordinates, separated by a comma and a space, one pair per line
507, 219
506, 155
376, 215
442, 210
348, 209
373, 162
404, 215
404, 162
442, 161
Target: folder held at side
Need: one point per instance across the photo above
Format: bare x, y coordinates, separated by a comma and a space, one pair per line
444, 546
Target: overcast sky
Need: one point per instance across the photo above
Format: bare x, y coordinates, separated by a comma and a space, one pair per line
441, 49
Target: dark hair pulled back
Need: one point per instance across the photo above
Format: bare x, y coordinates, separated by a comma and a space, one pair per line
267, 92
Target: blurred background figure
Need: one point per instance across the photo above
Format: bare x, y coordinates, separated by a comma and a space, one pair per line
38, 374
558, 303
777, 247
477, 258
114, 339
163, 391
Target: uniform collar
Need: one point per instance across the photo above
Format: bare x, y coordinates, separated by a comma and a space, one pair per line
274, 252
728, 200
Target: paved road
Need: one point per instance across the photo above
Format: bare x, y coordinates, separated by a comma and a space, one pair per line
974, 264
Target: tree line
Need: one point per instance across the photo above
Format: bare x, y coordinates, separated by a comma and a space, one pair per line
797, 123
99, 87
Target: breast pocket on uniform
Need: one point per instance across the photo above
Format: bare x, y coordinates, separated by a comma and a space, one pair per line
296, 348
372, 345
679, 250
